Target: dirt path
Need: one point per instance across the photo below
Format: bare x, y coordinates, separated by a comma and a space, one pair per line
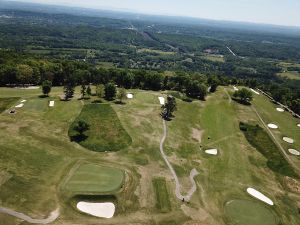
193, 173
276, 141
52, 217
230, 51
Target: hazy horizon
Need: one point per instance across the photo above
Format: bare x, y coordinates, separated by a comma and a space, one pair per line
254, 11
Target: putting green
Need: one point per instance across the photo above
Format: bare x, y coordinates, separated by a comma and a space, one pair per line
244, 212
91, 178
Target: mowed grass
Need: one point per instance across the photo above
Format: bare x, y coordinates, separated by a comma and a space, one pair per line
243, 212
5, 103
162, 196
92, 178
260, 140
290, 75
106, 132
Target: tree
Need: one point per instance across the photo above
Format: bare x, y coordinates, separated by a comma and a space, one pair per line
168, 108
46, 87
100, 91
110, 91
69, 91
244, 95
89, 90
121, 94
81, 127
24, 74
196, 90
83, 91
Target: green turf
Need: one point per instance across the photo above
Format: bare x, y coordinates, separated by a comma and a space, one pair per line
5, 103
36, 104
260, 140
243, 212
91, 178
162, 197
106, 132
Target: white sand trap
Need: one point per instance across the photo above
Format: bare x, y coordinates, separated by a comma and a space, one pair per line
272, 126
129, 96
103, 210
298, 125
20, 105
212, 151
51, 103
23, 101
161, 100
254, 91
235, 88
294, 152
260, 196
288, 140
30, 88
280, 109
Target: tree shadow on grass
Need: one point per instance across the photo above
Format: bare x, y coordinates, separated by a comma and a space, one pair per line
79, 138
43, 96
241, 102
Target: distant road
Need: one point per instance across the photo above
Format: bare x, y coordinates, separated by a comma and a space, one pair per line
52, 217
193, 173
231, 51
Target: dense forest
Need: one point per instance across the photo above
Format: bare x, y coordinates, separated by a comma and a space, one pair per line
144, 54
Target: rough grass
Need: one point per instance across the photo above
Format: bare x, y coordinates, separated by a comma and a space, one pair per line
106, 132
260, 140
243, 212
5, 103
91, 178
162, 197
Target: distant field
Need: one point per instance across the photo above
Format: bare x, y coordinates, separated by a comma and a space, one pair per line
162, 196
5, 103
148, 50
106, 132
92, 178
290, 75
214, 58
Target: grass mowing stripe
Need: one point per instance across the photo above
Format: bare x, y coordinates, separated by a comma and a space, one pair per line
162, 196
106, 132
260, 140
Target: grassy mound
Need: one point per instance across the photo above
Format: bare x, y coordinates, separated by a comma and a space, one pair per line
260, 140
106, 132
162, 196
243, 212
5, 103
91, 178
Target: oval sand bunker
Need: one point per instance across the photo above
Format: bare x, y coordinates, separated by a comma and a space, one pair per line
294, 152
244, 212
102, 210
298, 125
260, 196
288, 140
212, 151
280, 109
272, 126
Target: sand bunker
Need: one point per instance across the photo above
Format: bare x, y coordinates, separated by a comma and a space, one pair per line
23, 101
103, 210
129, 96
288, 140
51, 103
294, 152
280, 109
212, 151
30, 88
272, 126
235, 88
19, 106
161, 100
260, 196
254, 91
298, 125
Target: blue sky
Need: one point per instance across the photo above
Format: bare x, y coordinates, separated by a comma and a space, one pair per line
281, 12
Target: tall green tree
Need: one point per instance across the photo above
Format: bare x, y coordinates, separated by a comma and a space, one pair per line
110, 91
168, 108
81, 127
46, 87
121, 94
100, 90
83, 91
24, 74
244, 95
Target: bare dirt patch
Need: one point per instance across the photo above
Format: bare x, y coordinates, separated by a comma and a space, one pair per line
197, 134
293, 184
196, 214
